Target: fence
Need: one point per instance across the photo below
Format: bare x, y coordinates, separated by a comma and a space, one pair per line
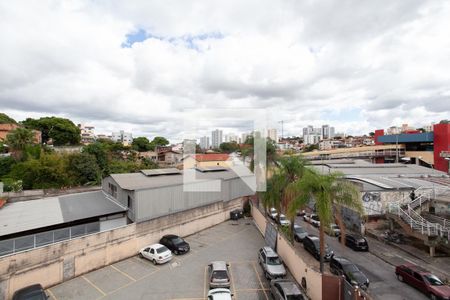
31, 241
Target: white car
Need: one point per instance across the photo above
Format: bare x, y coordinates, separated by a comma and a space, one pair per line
273, 213
219, 294
156, 253
284, 221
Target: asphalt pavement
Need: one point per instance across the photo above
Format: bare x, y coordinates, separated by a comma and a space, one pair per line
383, 282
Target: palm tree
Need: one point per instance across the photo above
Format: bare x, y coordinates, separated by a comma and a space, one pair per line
328, 191
281, 189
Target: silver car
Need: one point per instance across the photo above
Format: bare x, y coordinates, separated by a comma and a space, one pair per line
299, 233
271, 263
220, 294
284, 289
219, 276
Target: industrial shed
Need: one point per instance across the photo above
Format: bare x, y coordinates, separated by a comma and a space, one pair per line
150, 194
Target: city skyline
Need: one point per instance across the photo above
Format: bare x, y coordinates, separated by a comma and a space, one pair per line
142, 70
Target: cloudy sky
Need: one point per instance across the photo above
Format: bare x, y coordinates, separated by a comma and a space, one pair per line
152, 67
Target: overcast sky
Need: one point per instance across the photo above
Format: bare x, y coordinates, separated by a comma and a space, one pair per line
152, 66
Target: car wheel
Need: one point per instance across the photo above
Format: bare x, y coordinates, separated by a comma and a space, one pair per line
140, 255
296, 239
400, 278
175, 252
433, 297
154, 261
266, 275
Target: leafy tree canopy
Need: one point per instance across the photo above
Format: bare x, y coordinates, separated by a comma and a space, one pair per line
141, 144
5, 119
61, 131
19, 138
229, 147
158, 141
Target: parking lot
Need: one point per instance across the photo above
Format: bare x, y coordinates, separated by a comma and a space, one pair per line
185, 277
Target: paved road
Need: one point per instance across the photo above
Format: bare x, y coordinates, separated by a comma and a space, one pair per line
383, 282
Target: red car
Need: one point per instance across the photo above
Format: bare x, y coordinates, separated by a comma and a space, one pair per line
424, 281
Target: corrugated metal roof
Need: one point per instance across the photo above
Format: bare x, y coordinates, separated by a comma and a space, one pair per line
138, 181
33, 214
27, 215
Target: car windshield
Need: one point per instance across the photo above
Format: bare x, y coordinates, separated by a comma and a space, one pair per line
350, 268
315, 218
221, 274
161, 249
36, 296
433, 280
334, 226
177, 241
273, 210
274, 260
294, 297
282, 218
299, 229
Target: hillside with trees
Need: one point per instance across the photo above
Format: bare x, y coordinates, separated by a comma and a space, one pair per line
38, 166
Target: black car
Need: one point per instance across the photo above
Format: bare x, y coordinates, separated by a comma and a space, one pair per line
32, 292
175, 244
356, 242
343, 267
311, 244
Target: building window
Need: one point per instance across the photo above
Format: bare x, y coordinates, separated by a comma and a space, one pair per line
112, 190
130, 202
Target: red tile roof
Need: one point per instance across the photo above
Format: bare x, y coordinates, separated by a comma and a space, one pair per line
211, 157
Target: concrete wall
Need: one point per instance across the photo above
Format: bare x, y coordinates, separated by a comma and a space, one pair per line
63, 261
292, 259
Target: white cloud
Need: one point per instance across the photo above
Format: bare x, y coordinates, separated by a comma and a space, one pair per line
381, 62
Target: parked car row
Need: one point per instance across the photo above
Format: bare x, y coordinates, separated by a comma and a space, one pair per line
274, 270
338, 265
282, 220
162, 252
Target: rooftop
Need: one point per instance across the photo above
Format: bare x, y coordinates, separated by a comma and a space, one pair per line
33, 214
380, 177
139, 181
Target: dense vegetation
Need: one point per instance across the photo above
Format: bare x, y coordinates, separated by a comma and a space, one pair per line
33, 166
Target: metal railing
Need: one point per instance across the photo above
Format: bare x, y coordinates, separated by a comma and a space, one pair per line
32, 241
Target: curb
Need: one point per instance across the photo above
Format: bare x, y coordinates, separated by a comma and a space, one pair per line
374, 236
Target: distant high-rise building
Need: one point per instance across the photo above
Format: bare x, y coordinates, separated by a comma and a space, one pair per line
272, 134
204, 142
125, 138
231, 137
216, 138
327, 132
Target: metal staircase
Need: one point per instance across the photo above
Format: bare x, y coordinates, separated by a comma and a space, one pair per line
409, 214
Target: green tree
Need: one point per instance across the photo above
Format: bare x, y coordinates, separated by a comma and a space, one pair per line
5, 119
229, 147
141, 144
83, 169
100, 151
330, 192
18, 139
62, 131
158, 141
6, 163
124, 166
47, 172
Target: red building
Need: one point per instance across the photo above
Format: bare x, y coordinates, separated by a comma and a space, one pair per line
437, 142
